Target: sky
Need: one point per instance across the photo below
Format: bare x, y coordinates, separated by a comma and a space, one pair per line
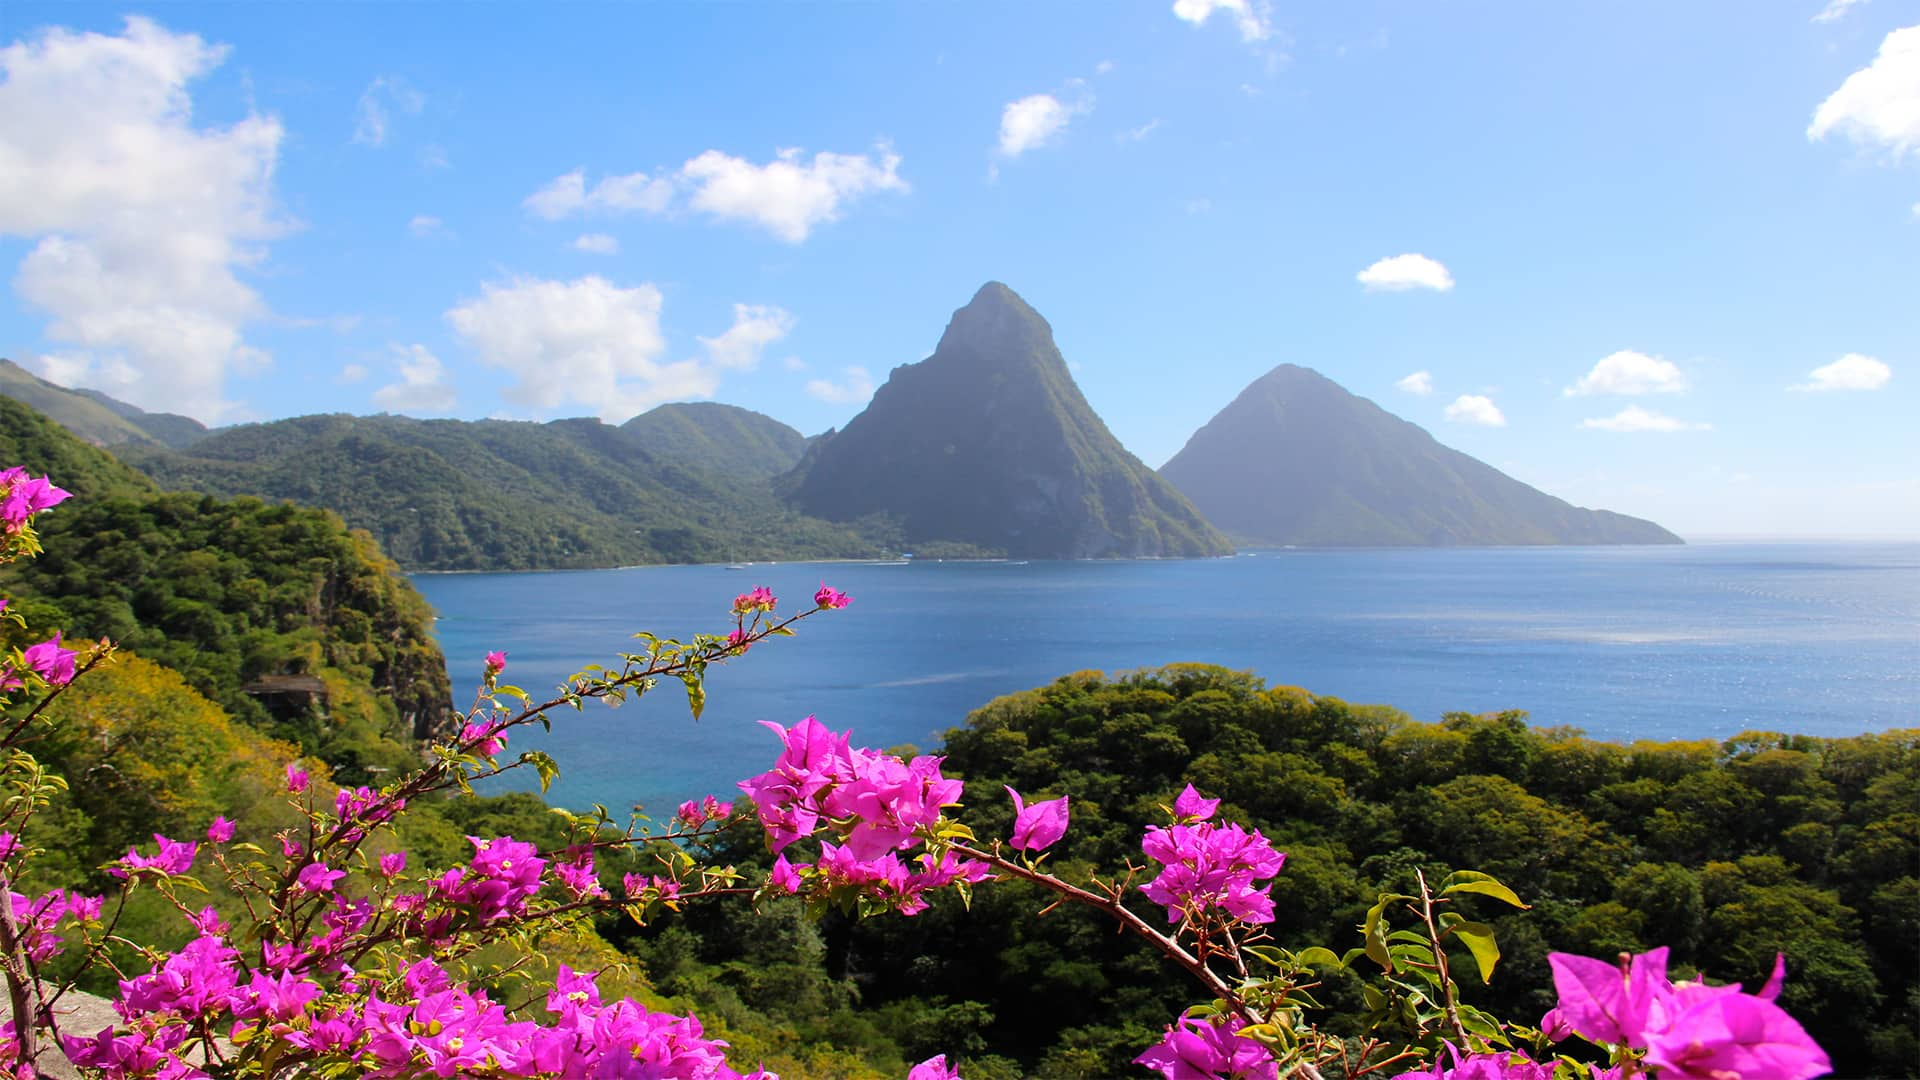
1658, 258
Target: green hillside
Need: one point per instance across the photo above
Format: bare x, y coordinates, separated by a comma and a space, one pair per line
501, 495
723, 438
95, 417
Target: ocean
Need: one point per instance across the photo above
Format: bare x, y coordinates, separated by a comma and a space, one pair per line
1701, 641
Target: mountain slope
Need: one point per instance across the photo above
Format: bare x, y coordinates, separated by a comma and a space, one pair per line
989, 443
500, 495
724, 438
95, 417
1296, 459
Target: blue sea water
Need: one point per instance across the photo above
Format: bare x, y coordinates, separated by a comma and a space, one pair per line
1645, 642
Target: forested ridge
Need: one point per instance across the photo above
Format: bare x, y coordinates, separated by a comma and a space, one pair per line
1723, 850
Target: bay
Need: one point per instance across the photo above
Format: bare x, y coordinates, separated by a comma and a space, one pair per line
1702, 641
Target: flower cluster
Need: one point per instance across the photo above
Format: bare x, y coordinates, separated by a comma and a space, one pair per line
1203, 1049
24, 497
496, 884
875, 803
53, 662
1208, 868
1685, 1029
694, 814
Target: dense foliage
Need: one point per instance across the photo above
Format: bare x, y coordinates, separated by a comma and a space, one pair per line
237, 595
455, 494
1725, 851
723, 438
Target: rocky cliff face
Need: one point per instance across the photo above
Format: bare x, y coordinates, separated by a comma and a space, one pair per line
989, 443
1296, 459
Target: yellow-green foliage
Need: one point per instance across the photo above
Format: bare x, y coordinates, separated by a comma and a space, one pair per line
143, 752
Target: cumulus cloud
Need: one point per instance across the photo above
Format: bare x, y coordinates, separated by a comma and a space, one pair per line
139, 220
594, 243
1403, 272
591, 343
1836, 10
791, 194
1475, 409
1634, 418
352, 373
754, 328
1851, 372
1631, 373
425, 225
423, 385
1250, 17
1033, 121
1420, 382
568, 194
384, 96
855, 387
1879, 105
787, 196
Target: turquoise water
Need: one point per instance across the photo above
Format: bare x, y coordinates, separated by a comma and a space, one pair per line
1666, 642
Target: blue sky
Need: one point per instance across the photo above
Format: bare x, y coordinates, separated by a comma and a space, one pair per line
1619, 240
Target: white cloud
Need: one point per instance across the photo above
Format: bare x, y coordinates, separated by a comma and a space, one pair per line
1634, 418
352, 373
1836, 10
794, 363
789, 195
594, 243
424, 225
856, 387
1402, 272
568, 194
1138, 133
1628, 372
1880, 103
754, 328
1420, 382
1200, 205
378, 101
1475, 409
140, 220
591, 343
1033, 121
1104, 67
423, 385
1251, 17
1851, 372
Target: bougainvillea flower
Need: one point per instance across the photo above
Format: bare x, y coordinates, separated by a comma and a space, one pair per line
1040, 826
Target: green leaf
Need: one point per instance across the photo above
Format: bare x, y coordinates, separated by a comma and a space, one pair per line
1375, 932
1318, 956
696, 693
1472, 881
1478, 937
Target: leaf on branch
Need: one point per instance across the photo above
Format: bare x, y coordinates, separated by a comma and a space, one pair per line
1472, 881
1478, 938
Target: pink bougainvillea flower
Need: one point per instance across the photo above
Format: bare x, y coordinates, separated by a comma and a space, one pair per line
1198, 1049
934, 1068
1040, 826
220, 831
1735, 1035
496, 662
317, 878
392, 863
297, 778
52, 662
1190, 807
1501, 1065
830, 597
759, 598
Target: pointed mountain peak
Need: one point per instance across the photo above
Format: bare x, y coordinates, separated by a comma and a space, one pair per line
996, 323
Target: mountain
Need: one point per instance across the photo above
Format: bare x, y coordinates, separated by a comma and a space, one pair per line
29, 438
501, 495
1296, 459
95, 417
724, 438
988, 445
